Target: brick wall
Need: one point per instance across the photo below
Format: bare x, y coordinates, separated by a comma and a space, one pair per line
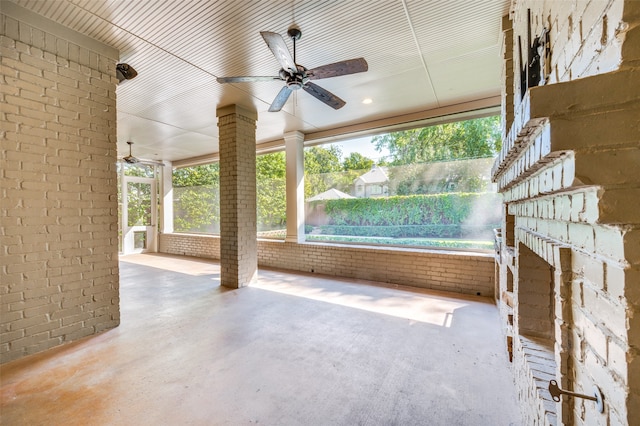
195, 245
534, 297
468, 273
568, 174
59, 265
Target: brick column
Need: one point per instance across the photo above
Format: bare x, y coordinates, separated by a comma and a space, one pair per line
59, 277
295, 186
238, 228
508, 75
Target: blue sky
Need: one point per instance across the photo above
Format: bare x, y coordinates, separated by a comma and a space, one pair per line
363, 146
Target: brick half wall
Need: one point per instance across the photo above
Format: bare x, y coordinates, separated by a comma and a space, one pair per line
460, 272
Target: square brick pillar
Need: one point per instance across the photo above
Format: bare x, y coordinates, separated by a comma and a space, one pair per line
294, 149
238, 222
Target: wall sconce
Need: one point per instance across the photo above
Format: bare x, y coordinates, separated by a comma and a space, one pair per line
125, 72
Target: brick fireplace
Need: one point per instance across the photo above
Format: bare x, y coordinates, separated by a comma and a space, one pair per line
569, 249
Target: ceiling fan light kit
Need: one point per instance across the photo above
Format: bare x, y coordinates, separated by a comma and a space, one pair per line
296, 76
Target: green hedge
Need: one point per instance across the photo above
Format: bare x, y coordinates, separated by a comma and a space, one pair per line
432, 209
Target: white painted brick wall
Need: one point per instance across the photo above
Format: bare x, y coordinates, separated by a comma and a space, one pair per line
568, 173
582, 44
59, 265
533, 365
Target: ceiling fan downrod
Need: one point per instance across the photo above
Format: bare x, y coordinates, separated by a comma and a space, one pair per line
295, 34
297, 78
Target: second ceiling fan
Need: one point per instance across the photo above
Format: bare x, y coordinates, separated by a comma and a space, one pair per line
298, 77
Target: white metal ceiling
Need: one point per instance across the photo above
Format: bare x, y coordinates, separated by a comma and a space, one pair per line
423, 55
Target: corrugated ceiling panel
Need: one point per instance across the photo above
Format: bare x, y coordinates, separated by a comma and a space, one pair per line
178, 48
181, 145
478, 71
190, 109
344, 30
131, 126
475, 26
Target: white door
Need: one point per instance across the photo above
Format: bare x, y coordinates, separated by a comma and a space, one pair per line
139, 215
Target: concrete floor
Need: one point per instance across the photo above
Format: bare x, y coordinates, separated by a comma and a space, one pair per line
291, 350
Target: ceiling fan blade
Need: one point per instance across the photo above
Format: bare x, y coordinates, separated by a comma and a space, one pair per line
279, 49
324, 95
350, 66
130, 159
246, 79
280, 99
150, 162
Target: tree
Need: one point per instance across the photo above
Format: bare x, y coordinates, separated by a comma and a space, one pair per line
207, 174
320, 167
271, 191
451, 141
357, 161
196, 198
197, 189
271, 166
319, 160
415, 151
138, 194
196, 209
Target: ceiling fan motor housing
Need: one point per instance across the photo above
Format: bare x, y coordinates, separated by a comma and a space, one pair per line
296, 81
294, 33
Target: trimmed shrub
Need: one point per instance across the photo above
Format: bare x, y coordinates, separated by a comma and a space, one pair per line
446, 212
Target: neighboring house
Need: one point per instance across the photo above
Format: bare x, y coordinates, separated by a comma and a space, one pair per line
315, 209
374, 183
331, 194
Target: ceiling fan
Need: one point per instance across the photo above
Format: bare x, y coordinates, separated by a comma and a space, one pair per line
130, 159
298, 77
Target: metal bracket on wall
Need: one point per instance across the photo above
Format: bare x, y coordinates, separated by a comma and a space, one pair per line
555, 392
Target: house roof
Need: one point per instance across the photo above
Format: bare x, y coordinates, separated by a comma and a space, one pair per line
375, 175
331, 194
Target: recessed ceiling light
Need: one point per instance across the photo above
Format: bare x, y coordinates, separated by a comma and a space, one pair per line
367, 101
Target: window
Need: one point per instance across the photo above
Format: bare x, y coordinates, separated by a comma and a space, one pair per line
427, 187
139, 204
196, 199
271, 195
138, 197
140, 239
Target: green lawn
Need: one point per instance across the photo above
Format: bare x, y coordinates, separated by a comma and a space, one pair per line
415, 242
420, 242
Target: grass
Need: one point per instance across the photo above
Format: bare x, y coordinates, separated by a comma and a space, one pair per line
415, 242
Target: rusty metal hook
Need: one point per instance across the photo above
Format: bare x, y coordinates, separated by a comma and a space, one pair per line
555, 392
